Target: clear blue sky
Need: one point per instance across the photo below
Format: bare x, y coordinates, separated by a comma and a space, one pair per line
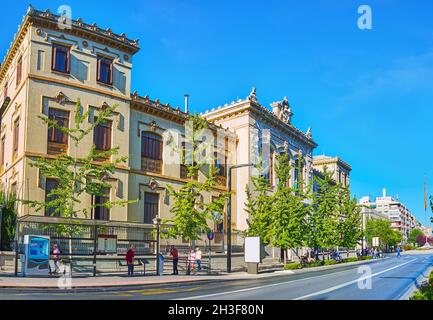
368, 95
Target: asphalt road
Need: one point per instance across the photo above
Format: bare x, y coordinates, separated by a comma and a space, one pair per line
386, 279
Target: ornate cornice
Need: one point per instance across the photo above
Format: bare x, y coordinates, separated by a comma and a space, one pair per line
329, 160
252, 105
46, 19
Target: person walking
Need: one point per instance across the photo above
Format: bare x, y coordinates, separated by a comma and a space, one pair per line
398, 252
175, 254
56, 256
130, 260
191, 261
198, 255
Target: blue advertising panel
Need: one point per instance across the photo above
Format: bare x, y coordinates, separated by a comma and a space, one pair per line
37, 254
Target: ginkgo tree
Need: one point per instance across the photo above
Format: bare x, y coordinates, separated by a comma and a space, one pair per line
77, 175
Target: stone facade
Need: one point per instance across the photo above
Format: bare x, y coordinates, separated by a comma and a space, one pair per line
340, 170
254, 125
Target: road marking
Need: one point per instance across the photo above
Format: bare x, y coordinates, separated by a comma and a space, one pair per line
261, 287
351, 282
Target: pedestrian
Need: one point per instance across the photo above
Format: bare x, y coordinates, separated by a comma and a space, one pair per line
198, 255
191, 261
56, 257
174, 253
130, 260
398, 252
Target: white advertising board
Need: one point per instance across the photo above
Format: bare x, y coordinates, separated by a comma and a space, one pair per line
252, 249
375, 241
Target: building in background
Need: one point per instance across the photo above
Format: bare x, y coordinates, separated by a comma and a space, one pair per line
340, 169
400, 216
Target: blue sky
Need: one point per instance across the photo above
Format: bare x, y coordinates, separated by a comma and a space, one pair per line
368, 94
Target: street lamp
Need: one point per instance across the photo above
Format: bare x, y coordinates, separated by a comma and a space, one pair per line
157, 222
229, 215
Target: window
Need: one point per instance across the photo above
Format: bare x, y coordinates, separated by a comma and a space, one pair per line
5, 91
61, 58
50, 185
102, 136
19, 70
298, 174
101, 212
151, 152
151, 206
57, 140
187, 156
14, 190
16, 132
2, 150
105, 70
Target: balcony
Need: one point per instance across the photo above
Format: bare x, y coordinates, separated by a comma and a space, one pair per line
57, 148
151, 165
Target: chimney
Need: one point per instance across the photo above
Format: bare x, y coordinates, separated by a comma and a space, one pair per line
384, 192
186, 103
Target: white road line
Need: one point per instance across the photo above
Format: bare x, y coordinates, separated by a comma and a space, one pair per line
262, 287
351, 282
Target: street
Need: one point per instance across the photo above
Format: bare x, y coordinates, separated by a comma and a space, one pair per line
390, 279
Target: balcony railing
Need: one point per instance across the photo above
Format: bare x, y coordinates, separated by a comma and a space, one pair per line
57, 148
151, 165
221, 180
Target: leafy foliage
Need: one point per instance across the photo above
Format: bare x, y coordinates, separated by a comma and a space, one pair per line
190, 213
382, 228
9, 213
76, 175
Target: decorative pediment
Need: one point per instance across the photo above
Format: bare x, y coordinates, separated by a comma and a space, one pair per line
282, 110
61, 98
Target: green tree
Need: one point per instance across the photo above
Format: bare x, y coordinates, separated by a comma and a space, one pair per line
413, 235
76, 175
259, 205
9, 213
382, 228
190, 213
288, 216
350, 219
324, 221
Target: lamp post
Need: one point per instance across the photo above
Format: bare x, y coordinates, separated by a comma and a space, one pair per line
229, 215
157, 222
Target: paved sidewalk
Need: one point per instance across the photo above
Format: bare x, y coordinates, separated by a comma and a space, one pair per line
8, 280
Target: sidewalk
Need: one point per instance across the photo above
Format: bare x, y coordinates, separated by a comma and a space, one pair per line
54, 282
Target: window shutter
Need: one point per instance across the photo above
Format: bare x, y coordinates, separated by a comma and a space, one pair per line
68, 60
98, 73
54, 58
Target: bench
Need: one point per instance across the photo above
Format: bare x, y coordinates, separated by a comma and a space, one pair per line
137, 263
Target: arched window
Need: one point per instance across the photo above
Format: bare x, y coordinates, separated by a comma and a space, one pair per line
151, 152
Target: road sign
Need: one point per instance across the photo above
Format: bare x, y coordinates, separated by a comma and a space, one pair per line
210, 235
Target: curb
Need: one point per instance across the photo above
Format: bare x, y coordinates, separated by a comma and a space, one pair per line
413, 287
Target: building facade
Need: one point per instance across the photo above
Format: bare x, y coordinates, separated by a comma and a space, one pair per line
400, 216
46, 71
340, 170
261, 131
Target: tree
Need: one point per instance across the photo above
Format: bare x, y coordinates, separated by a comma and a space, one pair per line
350, 217
9, 216
413, 235
323, 225
190, 213
76, 175
382, 228
259, 206
288, 215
